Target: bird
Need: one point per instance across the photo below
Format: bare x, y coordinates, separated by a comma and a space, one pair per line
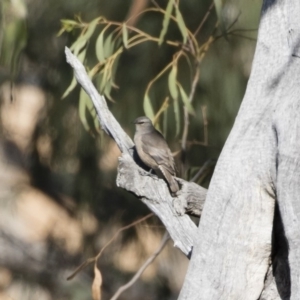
154, 152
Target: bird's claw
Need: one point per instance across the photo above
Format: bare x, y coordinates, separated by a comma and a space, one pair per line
148, 173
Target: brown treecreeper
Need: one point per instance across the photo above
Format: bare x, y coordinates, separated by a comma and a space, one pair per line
153, 150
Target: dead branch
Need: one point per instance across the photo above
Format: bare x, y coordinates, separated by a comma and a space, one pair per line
151, 190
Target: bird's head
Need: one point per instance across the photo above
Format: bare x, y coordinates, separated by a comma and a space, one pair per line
143, 124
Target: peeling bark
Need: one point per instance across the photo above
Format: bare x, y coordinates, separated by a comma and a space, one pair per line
259, 166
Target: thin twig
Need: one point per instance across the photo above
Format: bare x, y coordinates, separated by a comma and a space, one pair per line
244, 37
201, 171
205, 124
195, 142
204, 18
155, 3
234, 21
243, 30
186, 113
136, 8
95, 258
138, 274
122, 229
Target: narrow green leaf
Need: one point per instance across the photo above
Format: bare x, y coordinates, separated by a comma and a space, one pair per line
148, 109
61, 31
181, 24
70, 88
185, 100
114, 70
86, 104
177, 115
68, 22
100, 47
97, 123
92, 26
82, 40
107, 90
118, 42
68, 25
83, 98
125, 35
166, 21
105, 78
81, 57
92, 110
172, 82
163, 107
78, 46
108, 47
165, 122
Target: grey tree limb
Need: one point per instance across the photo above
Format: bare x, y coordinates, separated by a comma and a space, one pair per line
258, 167
150, 189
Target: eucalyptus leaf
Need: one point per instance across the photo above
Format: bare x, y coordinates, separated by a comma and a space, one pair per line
177, 115
100, 47
108, 46
148, 109
105, 78
125, 35
82, 40
83, 99
107, 91
114, 69
181, 24
185, 100
81, 57
166, 21
172, 82
165, 122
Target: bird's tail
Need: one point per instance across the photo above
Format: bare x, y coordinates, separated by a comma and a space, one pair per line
173, 184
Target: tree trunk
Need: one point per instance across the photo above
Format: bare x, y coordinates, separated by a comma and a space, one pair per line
258, 167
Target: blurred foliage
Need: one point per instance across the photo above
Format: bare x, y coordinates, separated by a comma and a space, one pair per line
13, 34
179, 62
114, 41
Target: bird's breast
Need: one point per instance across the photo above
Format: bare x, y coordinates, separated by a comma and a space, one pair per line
144, 156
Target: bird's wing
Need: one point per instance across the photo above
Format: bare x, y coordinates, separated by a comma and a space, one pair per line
158, 149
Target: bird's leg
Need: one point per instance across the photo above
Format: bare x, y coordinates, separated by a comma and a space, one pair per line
148, 173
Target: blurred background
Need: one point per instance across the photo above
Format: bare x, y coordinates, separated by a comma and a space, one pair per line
59, 203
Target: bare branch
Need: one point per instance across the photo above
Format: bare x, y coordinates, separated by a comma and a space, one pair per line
151, 190
205, 18
95, 258
155, 194
138, 274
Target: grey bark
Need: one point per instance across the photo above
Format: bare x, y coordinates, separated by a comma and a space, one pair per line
260, 164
